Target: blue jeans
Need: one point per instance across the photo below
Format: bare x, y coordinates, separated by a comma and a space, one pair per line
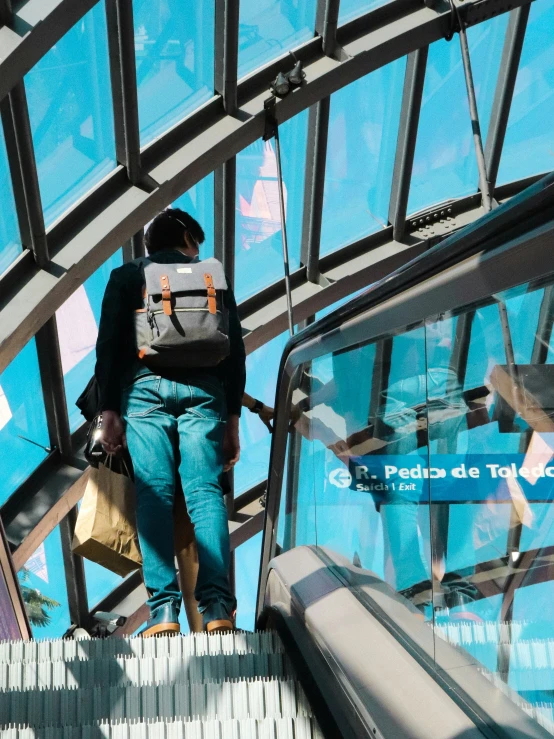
177, 429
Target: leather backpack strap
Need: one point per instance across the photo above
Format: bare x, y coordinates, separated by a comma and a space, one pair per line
212, 305
166, 295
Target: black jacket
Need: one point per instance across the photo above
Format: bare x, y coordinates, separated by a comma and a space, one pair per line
117, 364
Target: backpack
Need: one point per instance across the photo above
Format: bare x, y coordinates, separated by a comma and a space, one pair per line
184, 320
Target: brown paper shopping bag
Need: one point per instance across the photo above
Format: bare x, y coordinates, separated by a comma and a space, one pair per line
106, 531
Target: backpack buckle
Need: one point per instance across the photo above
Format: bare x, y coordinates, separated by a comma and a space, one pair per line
166, 295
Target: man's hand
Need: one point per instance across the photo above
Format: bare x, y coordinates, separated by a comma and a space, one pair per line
231, 443
266, 416
113, 432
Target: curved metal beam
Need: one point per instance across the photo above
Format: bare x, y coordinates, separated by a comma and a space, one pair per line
34, 28
115, 210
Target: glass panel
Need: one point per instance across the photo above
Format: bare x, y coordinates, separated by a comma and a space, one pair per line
10, 240
363, 131
23, 431
247, 570
42, 581
353, 8
445, 165
492, 487
100, 582
262, 367
70, 106
529, 144
259, 252
355, 482
174, 48
270, 28
78, 321
486, 333
199, 202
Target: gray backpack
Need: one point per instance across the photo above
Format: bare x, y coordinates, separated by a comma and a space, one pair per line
184, 321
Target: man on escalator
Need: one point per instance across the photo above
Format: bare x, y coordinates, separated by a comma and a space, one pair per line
171, 374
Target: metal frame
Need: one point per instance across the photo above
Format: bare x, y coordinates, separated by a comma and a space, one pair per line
113, 213
28, 177
314, 189
507, 76
407, 139
121, 41
115, 210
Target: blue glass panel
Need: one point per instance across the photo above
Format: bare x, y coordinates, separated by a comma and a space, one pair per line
353, 8
445, 164
100, 582
523, 311
70, 106
10, 240
78, 321
199, 202
174, 48
23, 429
486, 348
42, 581
262, 367
529, 144
247, 569
259, 252
363, 130
269, 28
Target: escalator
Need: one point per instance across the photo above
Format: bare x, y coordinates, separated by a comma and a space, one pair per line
407, 567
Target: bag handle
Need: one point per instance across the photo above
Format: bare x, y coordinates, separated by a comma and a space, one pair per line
108, 464
212, 306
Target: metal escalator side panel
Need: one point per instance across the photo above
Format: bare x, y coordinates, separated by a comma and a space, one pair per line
389, 693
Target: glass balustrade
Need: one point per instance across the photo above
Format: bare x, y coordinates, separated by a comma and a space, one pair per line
426, 457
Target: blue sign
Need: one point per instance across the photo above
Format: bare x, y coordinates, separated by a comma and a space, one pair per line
454, 478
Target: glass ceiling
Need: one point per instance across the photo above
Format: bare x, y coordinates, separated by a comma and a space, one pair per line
71, 95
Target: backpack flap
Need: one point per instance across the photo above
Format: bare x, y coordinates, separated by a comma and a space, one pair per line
184, 278
184, 322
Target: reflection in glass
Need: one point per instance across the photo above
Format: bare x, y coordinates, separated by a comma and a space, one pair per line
346, 489
529, 144
23, 431
426, 458
174, 49
10, 240
491, 426
363, 130
78, 321
42, 582
262, 367
445, 165
69, 95
199, 202
270, 28
259, 252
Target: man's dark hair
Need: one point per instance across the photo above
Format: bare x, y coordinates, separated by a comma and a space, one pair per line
167, 230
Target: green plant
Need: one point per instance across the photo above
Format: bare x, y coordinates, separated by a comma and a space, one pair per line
36, 604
